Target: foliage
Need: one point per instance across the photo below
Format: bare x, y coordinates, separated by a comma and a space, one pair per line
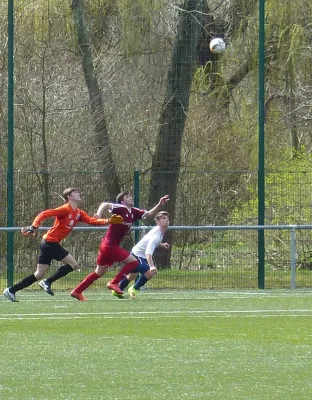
132, 43
287, 202
287, 194
38, 17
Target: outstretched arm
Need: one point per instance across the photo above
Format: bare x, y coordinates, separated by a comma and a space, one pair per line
114, 219
102, 208
154, 210
53, 212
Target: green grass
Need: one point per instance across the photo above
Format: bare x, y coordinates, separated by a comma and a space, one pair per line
165, 345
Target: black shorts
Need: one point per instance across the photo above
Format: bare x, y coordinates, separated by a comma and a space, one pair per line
50, 251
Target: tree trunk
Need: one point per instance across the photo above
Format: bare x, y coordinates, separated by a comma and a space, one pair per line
96, 101
174, 112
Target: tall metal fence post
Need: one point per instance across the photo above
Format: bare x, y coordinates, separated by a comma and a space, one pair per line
261, 166
293, 256
10, 172
136, 178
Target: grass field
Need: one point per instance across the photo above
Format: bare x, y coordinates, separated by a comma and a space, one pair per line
165, 345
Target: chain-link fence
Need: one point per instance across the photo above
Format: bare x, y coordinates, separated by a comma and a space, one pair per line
227, 259
200, 258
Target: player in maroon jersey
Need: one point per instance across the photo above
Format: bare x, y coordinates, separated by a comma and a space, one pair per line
110, 250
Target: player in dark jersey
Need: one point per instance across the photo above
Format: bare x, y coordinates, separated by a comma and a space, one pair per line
66, 217
110, 250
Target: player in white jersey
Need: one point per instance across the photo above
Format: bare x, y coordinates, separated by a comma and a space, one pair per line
144, 251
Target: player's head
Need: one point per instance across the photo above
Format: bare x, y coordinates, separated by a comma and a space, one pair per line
125, 198
71, 194
162, 219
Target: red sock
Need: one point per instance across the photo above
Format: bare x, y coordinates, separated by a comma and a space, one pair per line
125, 270
88, 280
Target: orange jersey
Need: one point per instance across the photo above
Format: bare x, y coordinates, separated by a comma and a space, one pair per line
65, 220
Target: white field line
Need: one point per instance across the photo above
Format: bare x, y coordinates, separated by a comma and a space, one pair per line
151, 314
33, 297
165, 295
145, 317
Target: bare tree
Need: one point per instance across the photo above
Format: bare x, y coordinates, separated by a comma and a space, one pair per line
174, 109
96, 101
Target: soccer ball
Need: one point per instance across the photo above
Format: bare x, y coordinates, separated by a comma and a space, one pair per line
217, 45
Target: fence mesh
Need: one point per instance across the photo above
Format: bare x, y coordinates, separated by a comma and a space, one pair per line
200, 258
119, 85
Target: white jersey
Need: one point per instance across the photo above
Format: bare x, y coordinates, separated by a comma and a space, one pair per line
148, 243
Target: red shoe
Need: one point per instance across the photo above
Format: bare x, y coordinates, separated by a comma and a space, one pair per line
114, 286
78, 296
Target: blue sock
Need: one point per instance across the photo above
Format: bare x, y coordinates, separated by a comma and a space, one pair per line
124, 283
140, 282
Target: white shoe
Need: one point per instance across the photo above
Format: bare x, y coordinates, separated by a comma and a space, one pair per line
10, 296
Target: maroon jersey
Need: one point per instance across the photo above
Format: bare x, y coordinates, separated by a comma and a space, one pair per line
116, 232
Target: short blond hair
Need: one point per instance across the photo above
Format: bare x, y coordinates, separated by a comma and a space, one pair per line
161, 214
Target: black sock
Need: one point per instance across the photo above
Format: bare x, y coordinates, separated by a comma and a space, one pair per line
29, 280
62, 271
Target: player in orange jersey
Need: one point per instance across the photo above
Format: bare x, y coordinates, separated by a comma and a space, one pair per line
66, 217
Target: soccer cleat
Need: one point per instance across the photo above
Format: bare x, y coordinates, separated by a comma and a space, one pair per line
114, 286
46, 287
132, 292
78, 296
120, 296
10, 296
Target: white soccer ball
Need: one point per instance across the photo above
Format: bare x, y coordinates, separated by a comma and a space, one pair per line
217, 45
